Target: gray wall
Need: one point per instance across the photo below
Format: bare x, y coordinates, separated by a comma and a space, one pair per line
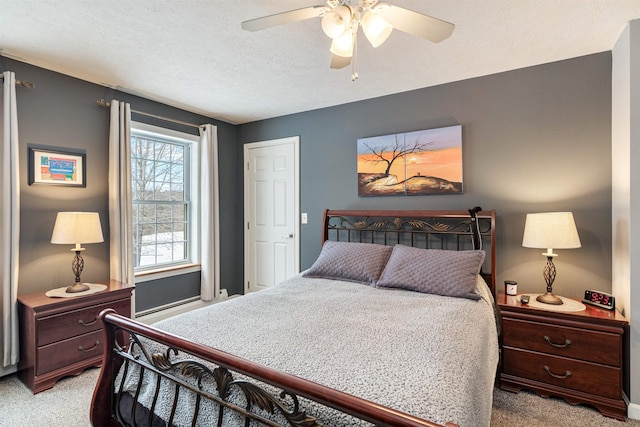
62, 111
534, 140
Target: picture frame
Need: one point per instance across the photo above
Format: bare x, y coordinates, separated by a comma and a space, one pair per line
423, 162
57, 166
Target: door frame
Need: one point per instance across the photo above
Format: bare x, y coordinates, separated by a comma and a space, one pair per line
295, 141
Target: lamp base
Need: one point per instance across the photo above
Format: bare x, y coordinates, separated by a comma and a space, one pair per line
78, 287
549, 298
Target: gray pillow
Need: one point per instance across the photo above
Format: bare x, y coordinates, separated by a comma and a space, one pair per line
353, 262
433, 271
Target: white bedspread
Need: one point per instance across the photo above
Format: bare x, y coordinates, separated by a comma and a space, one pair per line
431, 356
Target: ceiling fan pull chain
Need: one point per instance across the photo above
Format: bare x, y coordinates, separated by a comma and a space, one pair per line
354, 62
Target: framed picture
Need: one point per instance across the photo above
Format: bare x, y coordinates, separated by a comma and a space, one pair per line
53, 166
413, 163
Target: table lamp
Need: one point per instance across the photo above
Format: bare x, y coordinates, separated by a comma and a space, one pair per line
76, 228
551, 230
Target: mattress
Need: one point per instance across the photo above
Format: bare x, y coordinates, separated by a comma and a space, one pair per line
431, 356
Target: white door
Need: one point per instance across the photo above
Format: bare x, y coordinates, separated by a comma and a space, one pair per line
271, 183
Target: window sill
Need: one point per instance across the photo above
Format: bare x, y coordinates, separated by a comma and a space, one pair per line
148, 275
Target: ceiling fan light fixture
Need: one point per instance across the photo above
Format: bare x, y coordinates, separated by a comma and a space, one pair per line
341, 19
343, 46
376, 28
337, 22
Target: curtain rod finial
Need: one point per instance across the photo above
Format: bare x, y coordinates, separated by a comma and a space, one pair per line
101, 102
23, 83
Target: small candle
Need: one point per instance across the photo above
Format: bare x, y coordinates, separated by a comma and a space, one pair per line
511, 287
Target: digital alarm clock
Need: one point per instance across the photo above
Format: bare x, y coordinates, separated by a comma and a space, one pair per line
599, 299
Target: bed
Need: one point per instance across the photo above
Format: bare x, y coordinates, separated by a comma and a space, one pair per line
393, 325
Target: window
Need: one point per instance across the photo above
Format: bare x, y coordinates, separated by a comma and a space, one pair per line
163, 196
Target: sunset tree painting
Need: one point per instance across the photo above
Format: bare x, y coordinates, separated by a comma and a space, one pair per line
412, 163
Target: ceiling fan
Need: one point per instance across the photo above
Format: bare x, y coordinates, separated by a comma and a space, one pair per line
341, 19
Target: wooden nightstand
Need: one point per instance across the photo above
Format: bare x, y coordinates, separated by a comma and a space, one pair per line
579, 356
62, 336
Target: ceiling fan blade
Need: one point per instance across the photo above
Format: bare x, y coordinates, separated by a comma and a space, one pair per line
408, 21
284, 18
338, 62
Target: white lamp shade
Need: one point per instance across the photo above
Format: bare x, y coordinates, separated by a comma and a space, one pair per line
76, 228
337, 21
554, 230
376, 28
343, 46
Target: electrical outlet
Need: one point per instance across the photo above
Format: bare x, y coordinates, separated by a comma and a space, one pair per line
303, 218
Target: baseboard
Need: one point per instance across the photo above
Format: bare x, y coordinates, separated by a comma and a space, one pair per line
633, 411
8, 370
161, 313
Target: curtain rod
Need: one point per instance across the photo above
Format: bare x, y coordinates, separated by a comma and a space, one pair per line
22, 83
104, 103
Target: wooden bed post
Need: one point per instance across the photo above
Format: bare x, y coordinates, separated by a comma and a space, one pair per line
325, 226
101, 410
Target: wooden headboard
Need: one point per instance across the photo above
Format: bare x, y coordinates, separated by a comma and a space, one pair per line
431, 229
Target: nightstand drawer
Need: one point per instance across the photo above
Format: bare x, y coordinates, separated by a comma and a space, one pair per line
572, 374
67, 352
591, 346
55, 328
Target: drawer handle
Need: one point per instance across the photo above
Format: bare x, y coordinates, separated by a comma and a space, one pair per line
93, 322
561, 377
566, 342
86, 350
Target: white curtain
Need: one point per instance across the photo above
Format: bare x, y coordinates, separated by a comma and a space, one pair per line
209, 214
120, 219
10, 222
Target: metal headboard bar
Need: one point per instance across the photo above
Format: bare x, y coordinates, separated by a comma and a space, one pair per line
433, 229
393, 237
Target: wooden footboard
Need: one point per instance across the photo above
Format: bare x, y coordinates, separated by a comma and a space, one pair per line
181, 369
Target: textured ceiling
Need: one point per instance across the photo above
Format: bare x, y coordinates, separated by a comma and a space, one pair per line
193, 54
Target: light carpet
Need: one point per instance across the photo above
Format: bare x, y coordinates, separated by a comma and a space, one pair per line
67, 404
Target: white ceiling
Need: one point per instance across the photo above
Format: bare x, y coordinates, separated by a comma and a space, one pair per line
193, 54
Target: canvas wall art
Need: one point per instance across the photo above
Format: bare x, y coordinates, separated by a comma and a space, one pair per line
412, 163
